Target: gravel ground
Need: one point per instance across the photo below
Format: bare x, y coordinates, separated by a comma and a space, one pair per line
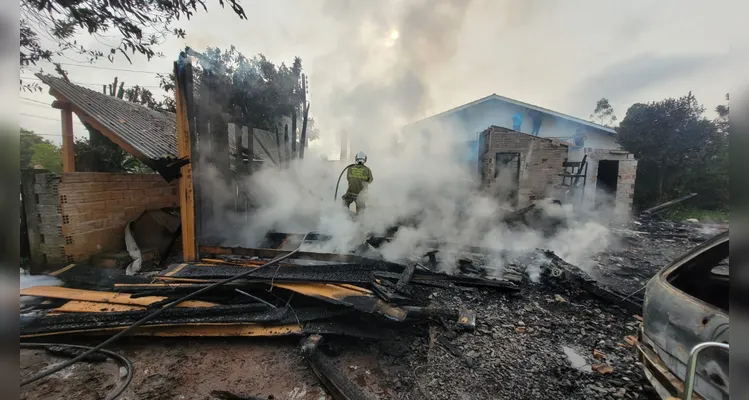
645, 247
540, 344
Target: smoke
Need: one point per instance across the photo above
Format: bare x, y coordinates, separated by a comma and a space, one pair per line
422, 187
379, 79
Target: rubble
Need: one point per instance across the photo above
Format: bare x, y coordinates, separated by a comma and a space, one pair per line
438, 336
646, 245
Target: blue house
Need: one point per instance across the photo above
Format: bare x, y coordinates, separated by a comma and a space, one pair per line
608, 168
470, 119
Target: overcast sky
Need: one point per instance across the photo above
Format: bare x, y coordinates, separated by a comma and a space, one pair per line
375, 65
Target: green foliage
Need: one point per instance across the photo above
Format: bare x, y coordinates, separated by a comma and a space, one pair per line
98, 153
253, 91
142, 25
682, 213
26, 142
35, 150
603, 113
48, 156
680, 151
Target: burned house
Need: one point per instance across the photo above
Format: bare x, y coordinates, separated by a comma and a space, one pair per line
517, 167
80, 213
598, 170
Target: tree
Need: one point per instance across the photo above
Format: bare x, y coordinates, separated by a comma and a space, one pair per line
604, 113
680, 151
141, 24
27, 140
253, 91
98, 153
48, 156
36, 150
722, 121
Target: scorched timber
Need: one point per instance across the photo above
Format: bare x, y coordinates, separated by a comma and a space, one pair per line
218, 315
340, 273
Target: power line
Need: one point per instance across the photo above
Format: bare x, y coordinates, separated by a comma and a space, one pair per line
91, 84
35, 101
108, 68
49, 118
39, 116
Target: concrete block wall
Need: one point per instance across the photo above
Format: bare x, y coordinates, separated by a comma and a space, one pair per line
625, 187
85, 213
541, 161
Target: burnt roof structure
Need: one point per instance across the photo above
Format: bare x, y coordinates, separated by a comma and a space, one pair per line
147, 134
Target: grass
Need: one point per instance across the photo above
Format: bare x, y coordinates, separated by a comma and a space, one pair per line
682, 213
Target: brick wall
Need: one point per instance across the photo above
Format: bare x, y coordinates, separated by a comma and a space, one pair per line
541, 161
85, 213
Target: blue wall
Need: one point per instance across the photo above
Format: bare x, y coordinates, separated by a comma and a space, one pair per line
469, 122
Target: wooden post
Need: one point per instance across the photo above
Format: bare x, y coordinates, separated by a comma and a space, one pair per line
303, 139
68, 152
278, 146
293, 133
184, 148
286, 142
344, 146
250, 149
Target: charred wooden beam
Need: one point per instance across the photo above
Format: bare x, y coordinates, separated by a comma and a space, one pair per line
335, 381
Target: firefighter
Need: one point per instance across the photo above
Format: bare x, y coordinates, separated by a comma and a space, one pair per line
359, 176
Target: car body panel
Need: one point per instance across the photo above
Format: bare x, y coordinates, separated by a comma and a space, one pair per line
674, 322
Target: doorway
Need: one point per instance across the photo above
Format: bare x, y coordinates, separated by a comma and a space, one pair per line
606, 181
507, 177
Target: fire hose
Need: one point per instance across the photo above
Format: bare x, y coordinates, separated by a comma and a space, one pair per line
335, 196
156, 313
122, 360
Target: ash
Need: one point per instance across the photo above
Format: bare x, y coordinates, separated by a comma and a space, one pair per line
518, 350
645, 247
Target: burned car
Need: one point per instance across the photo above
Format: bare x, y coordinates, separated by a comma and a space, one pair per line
686, 304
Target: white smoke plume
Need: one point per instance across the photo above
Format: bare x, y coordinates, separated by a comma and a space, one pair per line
389, 53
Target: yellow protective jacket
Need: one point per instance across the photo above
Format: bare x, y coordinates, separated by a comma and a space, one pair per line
358, 176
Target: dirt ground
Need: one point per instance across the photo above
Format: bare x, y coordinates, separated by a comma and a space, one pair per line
541, 343
184, 369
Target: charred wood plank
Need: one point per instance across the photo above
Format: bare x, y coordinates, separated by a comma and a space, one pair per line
335, 381
662, 207
408, 272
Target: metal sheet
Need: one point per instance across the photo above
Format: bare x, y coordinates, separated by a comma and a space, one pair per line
150, 132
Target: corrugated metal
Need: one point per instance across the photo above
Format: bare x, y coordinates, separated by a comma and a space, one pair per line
269, 143
152, 133
257, 149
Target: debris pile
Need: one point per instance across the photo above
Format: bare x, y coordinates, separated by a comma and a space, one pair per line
438, 335
646, 245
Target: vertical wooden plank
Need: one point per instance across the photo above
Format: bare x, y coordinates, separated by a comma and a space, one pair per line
287, 154
184, 148
303, 133
204, 157
250, 149
278, 146
239, 151
68, 152
303, 140
293, 133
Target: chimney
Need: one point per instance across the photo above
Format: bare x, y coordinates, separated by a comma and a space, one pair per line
344, 146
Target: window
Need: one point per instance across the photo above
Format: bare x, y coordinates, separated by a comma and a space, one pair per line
705, 276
